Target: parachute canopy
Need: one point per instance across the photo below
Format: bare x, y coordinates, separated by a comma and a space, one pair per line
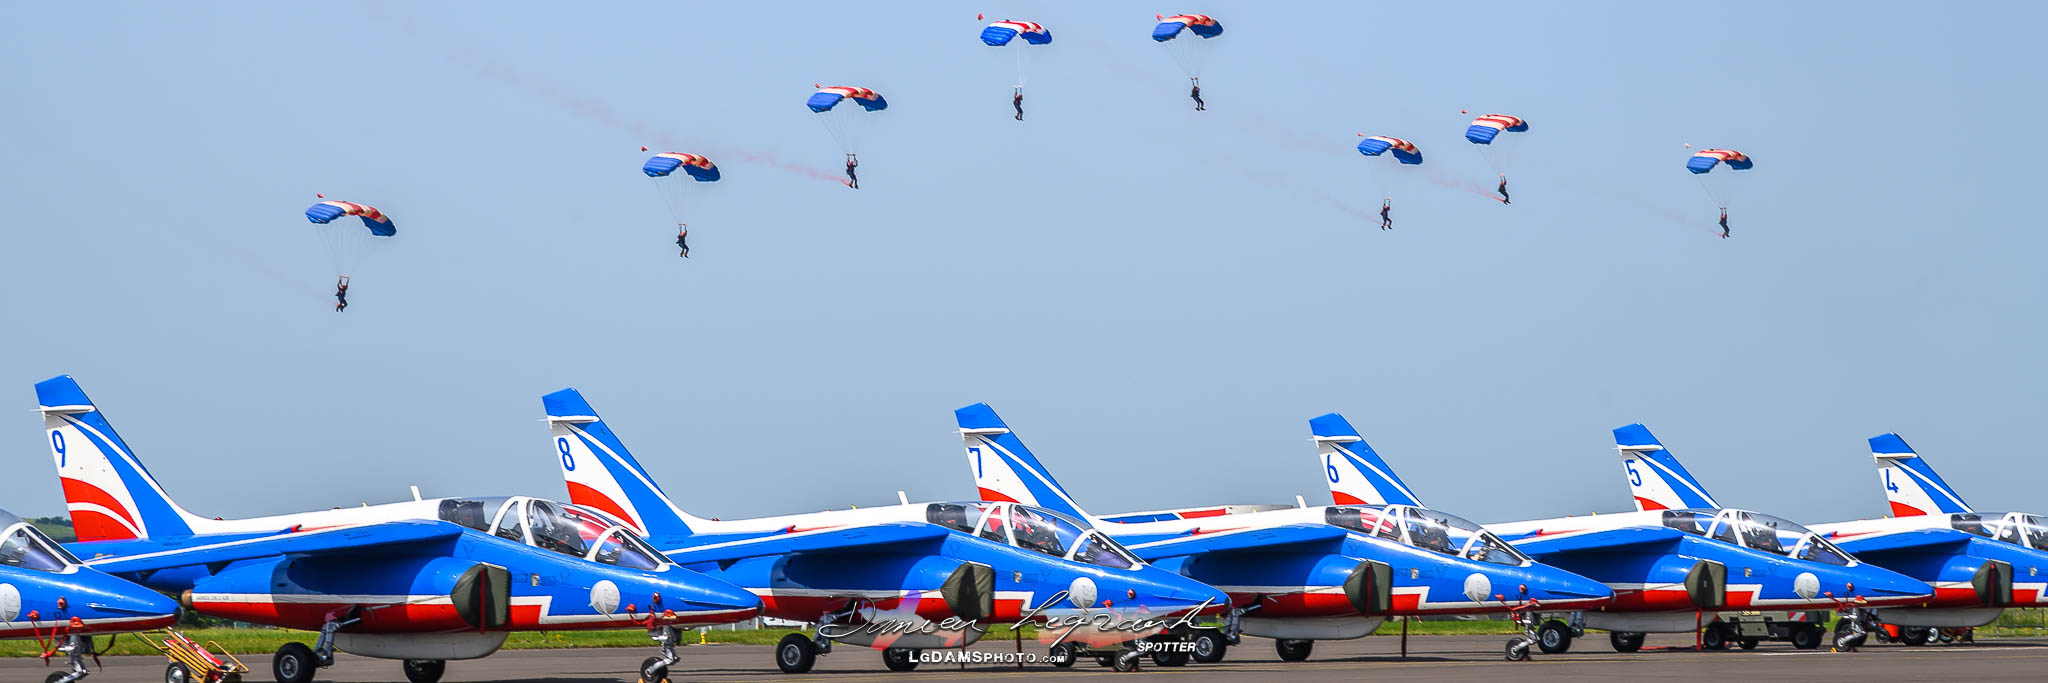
1001, 33
1485, 128
1404, 151
660, 165
1704, 160
826, 98
378, 223
1169, 28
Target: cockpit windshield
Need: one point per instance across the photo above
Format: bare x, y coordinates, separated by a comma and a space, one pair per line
1757, 531
553, 530
1432, 530
25, 547
2017, 528
475, 513
1032, 528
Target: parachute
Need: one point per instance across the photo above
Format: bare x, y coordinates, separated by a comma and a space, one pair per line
1485, 131
348, 245
1403, 150
675, 190
847, 124
1393, 178
1001, 33
1704, 160
1719, 186
1187, 52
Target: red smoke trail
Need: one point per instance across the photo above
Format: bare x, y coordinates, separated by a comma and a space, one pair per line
585, 107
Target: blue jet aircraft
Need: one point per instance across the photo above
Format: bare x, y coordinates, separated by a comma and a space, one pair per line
424, 581
1298, 575
865, 575
48, 595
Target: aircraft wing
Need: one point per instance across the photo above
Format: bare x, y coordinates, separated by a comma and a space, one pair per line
347, 539
872, 537
1268, 538
1914, 540
1624, 539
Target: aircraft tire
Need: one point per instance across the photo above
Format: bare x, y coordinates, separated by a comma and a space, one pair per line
1209, 646
899, 659
1294, 650
425, 670
1915, 636
1714, 638
1555, 638
648, 664
796, 654
293, 663
1125, 660
1624, 641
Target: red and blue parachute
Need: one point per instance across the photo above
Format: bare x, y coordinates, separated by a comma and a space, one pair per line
1705, 160
665, 163
1485, 128
378, 223
1000, 33
1402, 150
1171, 27
826, 98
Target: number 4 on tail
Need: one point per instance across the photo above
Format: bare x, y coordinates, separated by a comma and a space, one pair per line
1888, 485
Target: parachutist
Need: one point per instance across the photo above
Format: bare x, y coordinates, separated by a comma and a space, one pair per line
852, 180
682, 238
1503, 189
1196, 93
1386, 222
341, 294
1724, 224
1017, 100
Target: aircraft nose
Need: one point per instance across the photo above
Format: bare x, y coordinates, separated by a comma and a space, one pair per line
1549, 584
119, 598
1177, 592
700, 593
1884, 586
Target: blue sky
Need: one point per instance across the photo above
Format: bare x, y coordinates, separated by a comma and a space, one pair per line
1156, 299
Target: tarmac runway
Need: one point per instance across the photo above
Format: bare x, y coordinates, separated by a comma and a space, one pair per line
1431, 658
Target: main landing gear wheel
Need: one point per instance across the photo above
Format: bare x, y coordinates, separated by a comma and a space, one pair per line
425, 670
1555, 638
795, 654
1063, 655
1915, 635
1294, 650
1714, 638
293, 663
1625, 642
1806, 638
648, 674
1210, 646
899, 659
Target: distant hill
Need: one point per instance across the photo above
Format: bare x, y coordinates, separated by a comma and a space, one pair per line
57, 528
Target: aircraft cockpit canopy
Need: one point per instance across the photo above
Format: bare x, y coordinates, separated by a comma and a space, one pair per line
1757, 531
2017, 528
571, 530
1033, 528
1432, 530
23, 546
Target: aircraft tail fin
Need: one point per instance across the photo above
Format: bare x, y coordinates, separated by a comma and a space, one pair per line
1004, 470
1910, 484
1356, 474
1655, 478
602, 474
110, 495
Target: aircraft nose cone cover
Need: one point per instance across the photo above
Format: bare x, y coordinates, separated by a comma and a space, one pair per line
704, 593
1549, 584
604, 597
10, 602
